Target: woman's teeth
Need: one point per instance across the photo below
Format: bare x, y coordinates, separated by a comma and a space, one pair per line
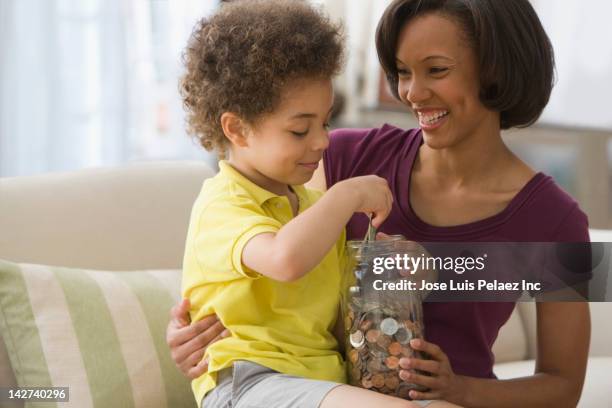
431, 118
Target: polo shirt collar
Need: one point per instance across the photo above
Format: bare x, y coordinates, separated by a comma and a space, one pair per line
261, 195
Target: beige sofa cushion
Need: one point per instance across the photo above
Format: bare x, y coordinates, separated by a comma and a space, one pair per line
511, 343
122, 218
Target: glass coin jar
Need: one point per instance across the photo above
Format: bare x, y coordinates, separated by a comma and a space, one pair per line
379, 324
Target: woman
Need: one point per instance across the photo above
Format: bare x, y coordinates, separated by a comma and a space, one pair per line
467, 69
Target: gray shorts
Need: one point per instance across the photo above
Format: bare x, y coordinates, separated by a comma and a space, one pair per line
250, 385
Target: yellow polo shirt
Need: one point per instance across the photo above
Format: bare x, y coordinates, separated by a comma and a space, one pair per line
283, 326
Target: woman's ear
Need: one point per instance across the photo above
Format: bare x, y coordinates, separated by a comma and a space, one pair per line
234, 128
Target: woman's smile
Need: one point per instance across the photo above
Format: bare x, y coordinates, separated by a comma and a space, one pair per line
430, 119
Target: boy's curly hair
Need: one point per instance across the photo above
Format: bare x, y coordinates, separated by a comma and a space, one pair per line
239, 60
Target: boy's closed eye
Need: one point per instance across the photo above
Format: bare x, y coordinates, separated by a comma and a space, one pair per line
300, 133
303, 133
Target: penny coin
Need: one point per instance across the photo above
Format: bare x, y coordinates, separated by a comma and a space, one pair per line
407, 352
372, 335
395, 349
353, 356
365, 325
392, 382
392, 362
378, 380
409, 324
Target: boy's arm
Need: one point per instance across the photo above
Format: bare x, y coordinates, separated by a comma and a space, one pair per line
303, 242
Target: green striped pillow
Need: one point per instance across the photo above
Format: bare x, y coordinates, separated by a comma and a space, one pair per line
100, 333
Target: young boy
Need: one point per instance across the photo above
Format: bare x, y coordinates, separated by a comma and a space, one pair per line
263, 252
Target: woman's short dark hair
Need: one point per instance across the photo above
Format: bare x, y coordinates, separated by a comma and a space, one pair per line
515, 56
240, 59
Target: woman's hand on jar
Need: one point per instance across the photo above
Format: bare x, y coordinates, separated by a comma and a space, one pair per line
188, 342
442, 382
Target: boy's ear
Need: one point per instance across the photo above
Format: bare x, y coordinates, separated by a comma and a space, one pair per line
234, 128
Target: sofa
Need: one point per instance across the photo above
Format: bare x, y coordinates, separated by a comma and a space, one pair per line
91, 265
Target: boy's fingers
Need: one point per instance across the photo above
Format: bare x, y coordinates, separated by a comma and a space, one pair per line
378, 219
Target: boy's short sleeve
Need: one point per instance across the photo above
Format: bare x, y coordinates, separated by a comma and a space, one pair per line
223, 231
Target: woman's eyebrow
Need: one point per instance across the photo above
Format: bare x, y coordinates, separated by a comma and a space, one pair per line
436, 57
397, 60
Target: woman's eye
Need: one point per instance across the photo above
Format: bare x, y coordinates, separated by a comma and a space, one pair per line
403, 72
438, 70
300, 134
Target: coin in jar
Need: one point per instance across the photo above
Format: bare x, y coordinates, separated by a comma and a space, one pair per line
403, 335
392, 362
378, 380
354, 356
395, 348
372, 335
356, 339
374, 365
384, 341
366, 382
392, 382
365, 325
389, 326
410, 325
355, 373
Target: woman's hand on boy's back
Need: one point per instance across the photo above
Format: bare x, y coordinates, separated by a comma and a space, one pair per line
188, 342
370, 194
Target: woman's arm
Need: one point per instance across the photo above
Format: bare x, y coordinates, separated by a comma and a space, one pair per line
563, 344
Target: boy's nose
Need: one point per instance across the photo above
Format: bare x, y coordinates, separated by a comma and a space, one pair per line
321, 141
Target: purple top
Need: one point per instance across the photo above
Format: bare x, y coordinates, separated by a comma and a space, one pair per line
540, 212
